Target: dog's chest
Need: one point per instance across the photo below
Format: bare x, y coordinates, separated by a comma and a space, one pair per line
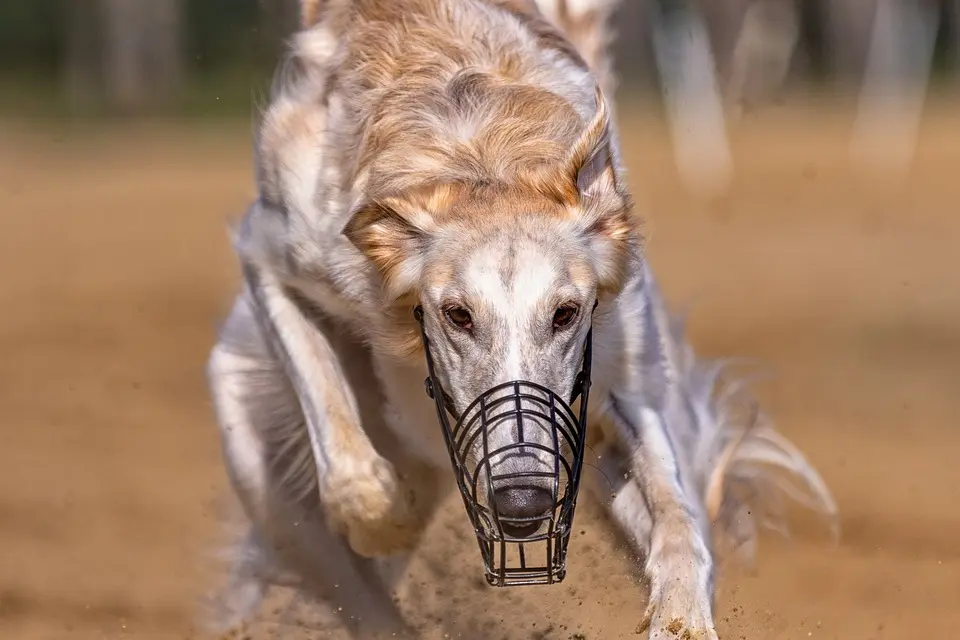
410, 414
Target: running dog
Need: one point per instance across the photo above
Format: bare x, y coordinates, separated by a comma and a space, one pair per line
459, 157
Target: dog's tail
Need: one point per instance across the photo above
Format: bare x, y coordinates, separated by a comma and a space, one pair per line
747, 470
587, 24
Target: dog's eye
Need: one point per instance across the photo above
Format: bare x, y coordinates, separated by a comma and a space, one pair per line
564, 316
459, 317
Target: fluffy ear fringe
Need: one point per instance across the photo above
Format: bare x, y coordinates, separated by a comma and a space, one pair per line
603, 205
588, 185
587, 170
393, 241
590, 158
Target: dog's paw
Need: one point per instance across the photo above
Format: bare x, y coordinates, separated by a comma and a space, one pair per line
365, 502
676, 614
365, 491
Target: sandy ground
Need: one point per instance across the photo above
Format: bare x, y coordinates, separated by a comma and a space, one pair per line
116, 271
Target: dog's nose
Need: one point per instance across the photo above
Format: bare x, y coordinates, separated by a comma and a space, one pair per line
522, 503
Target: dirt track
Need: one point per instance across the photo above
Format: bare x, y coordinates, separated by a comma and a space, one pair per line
117, 270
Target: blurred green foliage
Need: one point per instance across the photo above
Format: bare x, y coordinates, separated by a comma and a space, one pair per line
225, 34
31, 35
219, 35
230, 48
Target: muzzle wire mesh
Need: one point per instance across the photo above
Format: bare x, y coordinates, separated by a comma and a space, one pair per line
537, 554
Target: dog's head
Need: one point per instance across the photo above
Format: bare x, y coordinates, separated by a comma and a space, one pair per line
507, 276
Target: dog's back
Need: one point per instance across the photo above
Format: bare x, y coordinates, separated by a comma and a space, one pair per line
448, 91
583, 23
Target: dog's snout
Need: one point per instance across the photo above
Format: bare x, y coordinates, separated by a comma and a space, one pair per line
520, 504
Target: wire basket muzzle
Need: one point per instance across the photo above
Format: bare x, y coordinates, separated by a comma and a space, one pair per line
518, 452
517, 455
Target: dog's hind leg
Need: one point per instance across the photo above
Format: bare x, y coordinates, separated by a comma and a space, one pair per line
271, 467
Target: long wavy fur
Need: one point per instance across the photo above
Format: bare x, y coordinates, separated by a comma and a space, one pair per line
749, 471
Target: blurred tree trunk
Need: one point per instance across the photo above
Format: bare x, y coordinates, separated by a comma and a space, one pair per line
633, 48
953, 28
724, 20
81, 67
166, 47
763, 53
142, 52
848, 29
280, 18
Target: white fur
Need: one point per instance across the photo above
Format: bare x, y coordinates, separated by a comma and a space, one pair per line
517, 301
333, 446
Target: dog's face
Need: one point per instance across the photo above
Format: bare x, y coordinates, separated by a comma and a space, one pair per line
507, 277
508, 303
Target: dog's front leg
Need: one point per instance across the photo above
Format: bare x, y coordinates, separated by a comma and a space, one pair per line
670, 531
361, 494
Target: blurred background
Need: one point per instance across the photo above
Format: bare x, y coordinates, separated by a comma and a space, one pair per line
83, 57
795, 162
701, 63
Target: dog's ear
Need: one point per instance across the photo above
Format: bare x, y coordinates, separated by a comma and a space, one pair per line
589, 164
393, 235
586, 176
598, 199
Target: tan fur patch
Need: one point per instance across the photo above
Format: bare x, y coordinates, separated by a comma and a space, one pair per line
309, 12
440, 112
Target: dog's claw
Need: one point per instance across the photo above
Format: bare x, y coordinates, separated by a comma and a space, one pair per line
675, 617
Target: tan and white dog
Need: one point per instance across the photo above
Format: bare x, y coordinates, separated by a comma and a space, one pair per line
458, 155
